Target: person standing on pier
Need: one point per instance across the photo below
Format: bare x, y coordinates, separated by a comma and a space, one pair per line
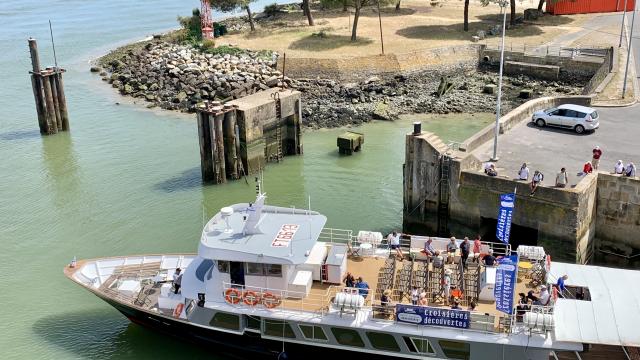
536, 181
523, 173
562, 179
595, 161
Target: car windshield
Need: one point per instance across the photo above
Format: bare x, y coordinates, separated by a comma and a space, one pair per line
550, 111
594, 115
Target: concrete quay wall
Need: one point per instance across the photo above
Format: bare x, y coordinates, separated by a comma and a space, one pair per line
618, 213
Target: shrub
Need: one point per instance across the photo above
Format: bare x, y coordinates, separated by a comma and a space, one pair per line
208, 44
271, 10
191, 25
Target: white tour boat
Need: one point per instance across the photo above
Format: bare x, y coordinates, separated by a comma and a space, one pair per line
269, 279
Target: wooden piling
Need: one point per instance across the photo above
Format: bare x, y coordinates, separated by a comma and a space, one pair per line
62, 99
40, 107
231, 157
220, 161
54, 95
48, 100
204, 137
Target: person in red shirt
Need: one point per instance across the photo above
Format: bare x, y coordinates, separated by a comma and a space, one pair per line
476, 248
596, 157
587, 169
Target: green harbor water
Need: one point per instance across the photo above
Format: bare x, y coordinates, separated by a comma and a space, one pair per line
126, 180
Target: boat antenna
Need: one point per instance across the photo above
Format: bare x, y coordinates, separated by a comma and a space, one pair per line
55, 59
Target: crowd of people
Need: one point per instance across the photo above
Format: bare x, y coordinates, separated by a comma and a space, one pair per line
562, 178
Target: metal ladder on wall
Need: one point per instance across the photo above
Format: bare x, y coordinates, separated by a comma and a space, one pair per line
443, 203
279, 154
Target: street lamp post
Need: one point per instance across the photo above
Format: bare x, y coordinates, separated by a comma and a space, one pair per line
626, 69
624, 17
503, 7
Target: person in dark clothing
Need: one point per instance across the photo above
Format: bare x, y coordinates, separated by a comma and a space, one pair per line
522, 307
489, 259
349, 280
177, 280
465, 247
532, 297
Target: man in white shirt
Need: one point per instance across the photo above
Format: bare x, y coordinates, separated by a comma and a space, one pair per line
394, 244
544, 297
523, 173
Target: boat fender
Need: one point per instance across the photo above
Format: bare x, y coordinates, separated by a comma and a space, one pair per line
250, 298
232, 296
178, 310
269, 300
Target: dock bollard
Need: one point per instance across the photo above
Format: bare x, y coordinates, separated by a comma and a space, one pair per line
417, 128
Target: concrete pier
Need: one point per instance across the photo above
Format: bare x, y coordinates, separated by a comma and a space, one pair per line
239, 138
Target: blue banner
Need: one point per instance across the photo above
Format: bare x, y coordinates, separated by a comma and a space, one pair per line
424, 315
505, 285
503, 230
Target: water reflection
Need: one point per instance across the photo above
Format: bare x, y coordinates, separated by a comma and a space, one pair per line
20, 135
61, 165
187, 180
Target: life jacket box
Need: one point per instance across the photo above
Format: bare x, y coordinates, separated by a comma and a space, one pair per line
336, 263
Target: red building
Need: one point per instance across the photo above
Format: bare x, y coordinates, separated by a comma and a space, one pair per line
566, 7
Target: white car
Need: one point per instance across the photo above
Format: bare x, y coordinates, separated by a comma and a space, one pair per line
574, 117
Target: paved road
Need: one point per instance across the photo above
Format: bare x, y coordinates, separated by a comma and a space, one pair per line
549, 149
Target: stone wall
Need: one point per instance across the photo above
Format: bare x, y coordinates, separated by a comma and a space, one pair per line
363, 67
618, 212
546, 72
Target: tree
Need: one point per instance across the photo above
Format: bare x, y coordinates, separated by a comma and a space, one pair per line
512, 19
231, 5
307, 11
466, 15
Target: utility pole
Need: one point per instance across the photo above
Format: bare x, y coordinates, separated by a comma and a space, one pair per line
626, 69
380, 21
503, 6
624, 16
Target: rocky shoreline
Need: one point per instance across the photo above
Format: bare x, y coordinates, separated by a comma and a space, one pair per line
177, 77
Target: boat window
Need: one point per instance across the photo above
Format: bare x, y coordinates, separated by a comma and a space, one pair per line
202, 269
223, 266
455, 349
313, 332
382, 341
225, 321
347, 337
278, 328
254, 269
418, 345
190, 307
253, 322
273, 270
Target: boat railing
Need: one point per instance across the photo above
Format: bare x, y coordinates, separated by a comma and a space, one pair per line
536, 319
280, 299
340, 236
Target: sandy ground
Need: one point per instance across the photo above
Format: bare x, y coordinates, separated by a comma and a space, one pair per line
418, 25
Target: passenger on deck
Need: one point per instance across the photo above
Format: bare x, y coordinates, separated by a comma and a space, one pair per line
177, 280
489, 259
543, 297
465, 248
560, 285
477, 245
456, 305
472, 306
423, 299
531, 297
438, 261
446, 286
452, 246
523, 306
385, 299
349, 280
415, 295
394, 243
363, 287
428, 250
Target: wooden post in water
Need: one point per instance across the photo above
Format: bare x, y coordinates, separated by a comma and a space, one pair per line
62, 99
204, 137
230, 141
220, 164
48, 92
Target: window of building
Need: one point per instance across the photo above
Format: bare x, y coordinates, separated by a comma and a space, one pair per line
382, 341
225, 321
418, 345
253, 322
223, 266
277, 328
455, 349
347, 337
312, 332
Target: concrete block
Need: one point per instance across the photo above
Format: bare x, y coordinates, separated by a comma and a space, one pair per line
475, 39
489, 89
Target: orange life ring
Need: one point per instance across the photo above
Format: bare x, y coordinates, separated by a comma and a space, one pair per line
269, 300
232, 296
178, 310
250, 298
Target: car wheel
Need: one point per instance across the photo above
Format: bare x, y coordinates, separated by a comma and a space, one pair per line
540, 123
579, 129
